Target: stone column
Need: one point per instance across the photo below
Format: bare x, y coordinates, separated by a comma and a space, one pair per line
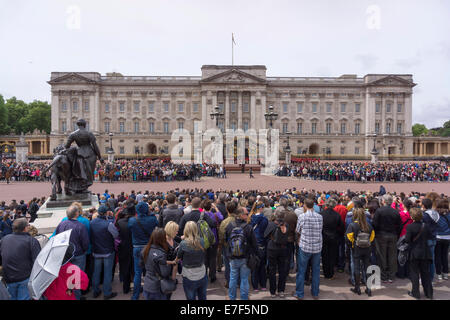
383, 114
262, 119
227, 110
239, 110
96, 121
55, 112
408, 114
394, 113
93, 109
437, 148
214, 104
69, 126
253, 124
205, 114
420, 148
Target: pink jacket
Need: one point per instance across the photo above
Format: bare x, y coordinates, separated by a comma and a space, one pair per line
404, 216
58, 289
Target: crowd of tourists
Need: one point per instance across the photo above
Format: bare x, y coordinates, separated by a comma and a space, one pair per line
366, 171
255, 238
120, 170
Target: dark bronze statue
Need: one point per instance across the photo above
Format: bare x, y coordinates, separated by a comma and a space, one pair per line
75, 165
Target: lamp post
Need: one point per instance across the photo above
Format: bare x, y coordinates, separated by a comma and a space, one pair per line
217, 115
374, 153
287, 149
271, 116
111, 150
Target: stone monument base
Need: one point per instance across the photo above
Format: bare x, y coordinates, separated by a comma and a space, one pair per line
52, 212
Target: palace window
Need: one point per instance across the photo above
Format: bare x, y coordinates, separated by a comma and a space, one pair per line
136, 106
64, 106
180, 125
328, 107
285, 127
299, 107
151, 127
245, 125
136, 127
314, 107
64, 126
106, 107
86, 106
377, 107
122, 150
343, 106
121, 127
285, 107
343, 127
180, 107
166, 127
121, 106
356, 150
233, 106
342, 150
399, 127
299, 128
195, 107
107, 127
399, 107
388, 107
151, 107
245, 106
377, 127
75, 106
314, 128
166, 107
388, 127
328, 128
357, 107
357, 128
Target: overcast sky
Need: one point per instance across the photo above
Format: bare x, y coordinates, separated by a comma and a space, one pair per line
174, 37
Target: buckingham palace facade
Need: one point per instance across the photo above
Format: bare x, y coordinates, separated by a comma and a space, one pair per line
334, 117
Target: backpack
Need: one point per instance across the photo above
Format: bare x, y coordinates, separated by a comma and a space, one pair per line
238, 242
205, 232
362, 239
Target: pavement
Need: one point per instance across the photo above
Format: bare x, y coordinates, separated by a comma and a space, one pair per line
234, 181
337, 289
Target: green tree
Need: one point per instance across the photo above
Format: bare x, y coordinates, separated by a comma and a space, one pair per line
419, 129
38, 117
17, 109
4, 127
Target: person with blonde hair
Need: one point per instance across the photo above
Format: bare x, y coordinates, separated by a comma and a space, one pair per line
192, 252
361, 235
171, 230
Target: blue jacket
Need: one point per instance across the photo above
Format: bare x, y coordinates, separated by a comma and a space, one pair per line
85, 222
443, 225
103, 233
5, 228
140, 237
431, 219
261, 221
79, 236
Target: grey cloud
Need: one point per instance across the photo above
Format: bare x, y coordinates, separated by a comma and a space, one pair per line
433, 114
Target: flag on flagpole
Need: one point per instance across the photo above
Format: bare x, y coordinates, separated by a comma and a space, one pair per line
232, 38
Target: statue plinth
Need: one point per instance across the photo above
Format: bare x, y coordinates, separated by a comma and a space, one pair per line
52, 212
63, 200
374, 156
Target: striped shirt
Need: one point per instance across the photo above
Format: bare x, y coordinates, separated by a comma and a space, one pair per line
309, 226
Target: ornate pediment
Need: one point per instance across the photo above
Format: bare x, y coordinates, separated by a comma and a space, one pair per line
391, 81
72, 78
233, 76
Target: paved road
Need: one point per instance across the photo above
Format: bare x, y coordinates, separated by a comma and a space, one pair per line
27, 190
338, 289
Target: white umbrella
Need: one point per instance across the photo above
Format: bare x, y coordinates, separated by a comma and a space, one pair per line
47, 264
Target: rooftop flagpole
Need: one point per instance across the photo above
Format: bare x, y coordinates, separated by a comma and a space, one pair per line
232, 49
